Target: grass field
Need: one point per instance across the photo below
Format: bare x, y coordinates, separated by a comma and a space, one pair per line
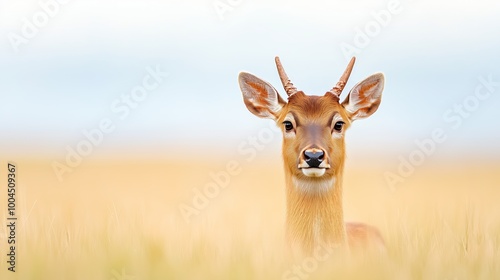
120, 219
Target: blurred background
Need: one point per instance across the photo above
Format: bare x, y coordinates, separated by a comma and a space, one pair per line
62, 74
119, 114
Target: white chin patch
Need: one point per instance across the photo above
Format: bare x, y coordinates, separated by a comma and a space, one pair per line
313, 186
313, 172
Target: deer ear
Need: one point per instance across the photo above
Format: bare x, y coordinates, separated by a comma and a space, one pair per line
364, 98
260, 97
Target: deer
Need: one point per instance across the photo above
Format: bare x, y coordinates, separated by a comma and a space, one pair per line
313, 149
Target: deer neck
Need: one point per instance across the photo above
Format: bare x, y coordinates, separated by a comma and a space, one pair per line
314, 212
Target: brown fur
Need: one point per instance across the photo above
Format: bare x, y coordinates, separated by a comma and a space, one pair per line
303, 210
314, 204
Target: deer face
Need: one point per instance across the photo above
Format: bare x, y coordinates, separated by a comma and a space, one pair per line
313, 134
313, 126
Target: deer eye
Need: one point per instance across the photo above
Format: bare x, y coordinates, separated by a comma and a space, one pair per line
338, 125
288, 125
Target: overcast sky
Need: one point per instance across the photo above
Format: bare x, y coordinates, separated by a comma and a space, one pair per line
67, 67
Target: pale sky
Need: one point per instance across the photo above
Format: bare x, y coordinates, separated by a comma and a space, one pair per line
63, 75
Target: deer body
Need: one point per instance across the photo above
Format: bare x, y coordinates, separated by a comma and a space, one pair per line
314, 154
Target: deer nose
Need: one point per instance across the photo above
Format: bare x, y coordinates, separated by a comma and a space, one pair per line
314, 157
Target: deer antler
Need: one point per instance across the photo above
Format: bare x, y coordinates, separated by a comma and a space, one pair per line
337, 89
287, 84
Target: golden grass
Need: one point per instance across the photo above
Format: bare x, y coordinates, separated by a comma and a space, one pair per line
120, 219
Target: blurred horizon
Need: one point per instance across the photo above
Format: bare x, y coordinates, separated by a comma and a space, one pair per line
90, 54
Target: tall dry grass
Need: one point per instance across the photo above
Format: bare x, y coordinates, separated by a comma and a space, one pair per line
120, 219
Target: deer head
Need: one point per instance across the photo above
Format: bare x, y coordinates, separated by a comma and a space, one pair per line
313, 126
